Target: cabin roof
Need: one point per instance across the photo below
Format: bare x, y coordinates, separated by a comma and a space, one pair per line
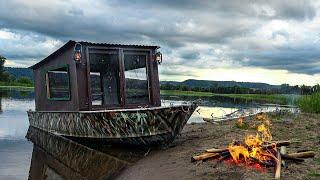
71, 43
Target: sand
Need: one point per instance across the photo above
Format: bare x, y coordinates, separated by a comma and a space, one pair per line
173, 162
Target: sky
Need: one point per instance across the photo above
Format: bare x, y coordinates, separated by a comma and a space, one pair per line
274, 42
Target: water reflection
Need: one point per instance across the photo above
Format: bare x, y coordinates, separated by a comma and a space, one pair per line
13, 118
219, 108
65, 158
56, 157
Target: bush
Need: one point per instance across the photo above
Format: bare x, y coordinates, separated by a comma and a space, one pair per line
310, 103
24, 80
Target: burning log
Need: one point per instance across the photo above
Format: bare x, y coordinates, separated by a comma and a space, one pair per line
265, 163
307, 154
224, 155
204, 156
278, 166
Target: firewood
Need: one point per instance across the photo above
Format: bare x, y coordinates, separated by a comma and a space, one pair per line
278, 166
303, 150
285, 156
265, 163
283, 150
282, 143
204, 156
307, 154
277, 143
224, 155
214, 150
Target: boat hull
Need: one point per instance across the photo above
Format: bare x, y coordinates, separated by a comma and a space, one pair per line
143, 126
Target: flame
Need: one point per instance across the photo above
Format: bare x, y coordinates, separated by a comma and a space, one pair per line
237, 150
252, 149
265, 133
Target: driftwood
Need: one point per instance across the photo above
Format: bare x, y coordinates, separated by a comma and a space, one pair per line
307, 154
214, 150
204, 156
278, 166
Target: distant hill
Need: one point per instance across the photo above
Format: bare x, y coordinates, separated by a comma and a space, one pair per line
207, 84
19, 72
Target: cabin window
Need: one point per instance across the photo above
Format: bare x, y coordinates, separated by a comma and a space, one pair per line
58, 83
104, 76
136, 78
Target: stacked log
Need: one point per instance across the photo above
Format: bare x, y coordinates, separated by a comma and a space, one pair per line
279, 158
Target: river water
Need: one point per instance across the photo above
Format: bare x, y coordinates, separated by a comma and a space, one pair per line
43, 157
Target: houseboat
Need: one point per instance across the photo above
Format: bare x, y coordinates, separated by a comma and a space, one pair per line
105, 92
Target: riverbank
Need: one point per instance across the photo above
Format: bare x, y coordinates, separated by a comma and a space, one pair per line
273, 98
17, 88
174, 162
268, 98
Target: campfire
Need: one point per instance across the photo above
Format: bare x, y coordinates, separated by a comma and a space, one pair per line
255, 150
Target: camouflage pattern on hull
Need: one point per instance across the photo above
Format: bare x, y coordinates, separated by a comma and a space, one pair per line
70, 160
132, 126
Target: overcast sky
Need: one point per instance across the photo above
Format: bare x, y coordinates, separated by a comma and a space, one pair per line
257, 41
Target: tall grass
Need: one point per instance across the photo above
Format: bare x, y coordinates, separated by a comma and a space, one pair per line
310, 104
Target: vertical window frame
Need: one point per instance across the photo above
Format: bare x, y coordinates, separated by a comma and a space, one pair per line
146, 54
48, 83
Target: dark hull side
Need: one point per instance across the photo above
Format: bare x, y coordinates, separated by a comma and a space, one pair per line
144, 126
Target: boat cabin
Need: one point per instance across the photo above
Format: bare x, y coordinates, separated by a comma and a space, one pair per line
85, 76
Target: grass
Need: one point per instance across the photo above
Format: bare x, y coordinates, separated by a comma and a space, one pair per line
16, 86
272, 98
310, 104
314, 174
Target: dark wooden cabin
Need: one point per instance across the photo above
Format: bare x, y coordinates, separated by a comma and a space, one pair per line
85, 76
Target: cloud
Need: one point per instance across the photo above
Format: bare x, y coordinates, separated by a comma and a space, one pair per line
25, 48
190, 55
275, 35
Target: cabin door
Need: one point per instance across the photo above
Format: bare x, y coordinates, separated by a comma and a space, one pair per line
104, 78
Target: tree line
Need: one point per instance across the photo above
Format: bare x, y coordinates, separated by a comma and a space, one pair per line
282, 89
7, 79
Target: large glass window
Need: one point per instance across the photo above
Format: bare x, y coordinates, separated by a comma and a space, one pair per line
104, 76
136, 79
58, 84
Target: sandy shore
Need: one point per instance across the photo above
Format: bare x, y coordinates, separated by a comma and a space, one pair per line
174, 161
